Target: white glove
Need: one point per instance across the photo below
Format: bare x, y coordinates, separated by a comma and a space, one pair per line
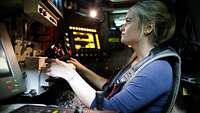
61, 69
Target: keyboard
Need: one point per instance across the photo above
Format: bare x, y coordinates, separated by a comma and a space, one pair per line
40, 109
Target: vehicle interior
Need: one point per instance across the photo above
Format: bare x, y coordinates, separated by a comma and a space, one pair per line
32, 31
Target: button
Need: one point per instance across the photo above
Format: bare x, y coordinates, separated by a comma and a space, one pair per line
16, 85
9, 87
45, 13
40, 10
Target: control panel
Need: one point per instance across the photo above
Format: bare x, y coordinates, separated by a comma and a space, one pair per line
84, 41
9, 87
40, 12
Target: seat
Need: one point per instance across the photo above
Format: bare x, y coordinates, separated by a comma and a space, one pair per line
174, 59
176, 63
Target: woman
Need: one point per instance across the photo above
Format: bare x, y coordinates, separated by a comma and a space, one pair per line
148, 24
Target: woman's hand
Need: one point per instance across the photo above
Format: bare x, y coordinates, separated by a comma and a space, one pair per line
61, 69
78, 65
67, 71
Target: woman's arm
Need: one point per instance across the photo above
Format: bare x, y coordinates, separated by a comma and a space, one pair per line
94, 78
67, 71
152, 82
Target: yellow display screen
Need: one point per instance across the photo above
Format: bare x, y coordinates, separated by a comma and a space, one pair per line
85, 37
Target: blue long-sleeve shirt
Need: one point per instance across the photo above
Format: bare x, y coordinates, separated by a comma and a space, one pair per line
146, 93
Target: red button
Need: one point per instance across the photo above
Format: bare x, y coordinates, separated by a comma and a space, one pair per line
9, 87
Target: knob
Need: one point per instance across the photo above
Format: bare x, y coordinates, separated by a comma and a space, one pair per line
40, 10
45, 13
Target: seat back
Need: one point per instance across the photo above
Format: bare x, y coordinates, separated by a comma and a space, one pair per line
176, 65
175, 61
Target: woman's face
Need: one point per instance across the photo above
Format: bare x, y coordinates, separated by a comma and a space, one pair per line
130, 30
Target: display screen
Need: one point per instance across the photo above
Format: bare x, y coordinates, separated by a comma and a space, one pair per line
86, 40
85, 37
4, 68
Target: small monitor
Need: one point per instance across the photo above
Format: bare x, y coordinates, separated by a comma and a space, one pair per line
84, 38
11, 78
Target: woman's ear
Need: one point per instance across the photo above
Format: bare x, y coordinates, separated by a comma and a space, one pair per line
148, 28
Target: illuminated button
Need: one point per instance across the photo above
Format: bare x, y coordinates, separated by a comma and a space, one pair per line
48, 111
16, 85
9, 87
67, 39
68, 45
56, 111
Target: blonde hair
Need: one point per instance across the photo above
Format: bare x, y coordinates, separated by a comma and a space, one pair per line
156, 11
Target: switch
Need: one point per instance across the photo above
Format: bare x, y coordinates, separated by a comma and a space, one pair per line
40, 10
45, 13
